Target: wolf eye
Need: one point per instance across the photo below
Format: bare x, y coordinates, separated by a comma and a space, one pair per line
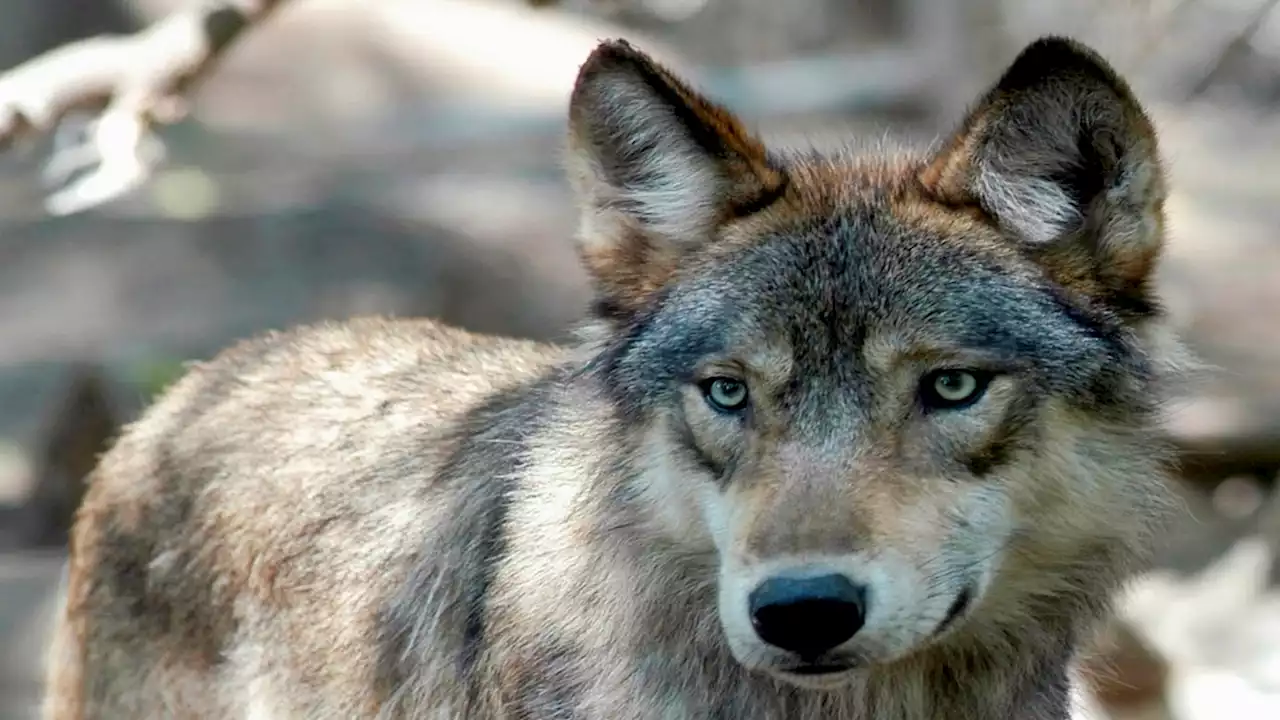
725, 394
953, 389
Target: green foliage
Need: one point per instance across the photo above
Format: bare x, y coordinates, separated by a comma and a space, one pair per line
154, 376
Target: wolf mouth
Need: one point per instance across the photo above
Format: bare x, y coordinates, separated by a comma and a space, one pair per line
957, 609
818, 670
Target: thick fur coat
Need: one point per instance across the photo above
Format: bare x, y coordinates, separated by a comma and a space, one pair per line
929, 379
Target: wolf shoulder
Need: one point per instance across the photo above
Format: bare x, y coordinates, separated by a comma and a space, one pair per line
318, 420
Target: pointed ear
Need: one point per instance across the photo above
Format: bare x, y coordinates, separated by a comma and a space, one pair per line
657, 169
1064, 160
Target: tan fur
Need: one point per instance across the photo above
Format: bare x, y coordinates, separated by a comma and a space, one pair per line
398, 519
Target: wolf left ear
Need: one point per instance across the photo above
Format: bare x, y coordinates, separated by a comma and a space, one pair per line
657, 168
1062, 157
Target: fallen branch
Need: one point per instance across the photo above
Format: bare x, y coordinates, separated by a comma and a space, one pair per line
127, 85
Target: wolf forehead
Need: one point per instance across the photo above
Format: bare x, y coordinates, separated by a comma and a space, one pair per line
823, 275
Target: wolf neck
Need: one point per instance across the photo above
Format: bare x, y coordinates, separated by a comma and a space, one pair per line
651, 603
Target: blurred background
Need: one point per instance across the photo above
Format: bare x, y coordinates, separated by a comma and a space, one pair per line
351, 157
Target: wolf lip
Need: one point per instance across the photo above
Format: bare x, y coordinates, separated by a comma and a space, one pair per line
958, 608
825, 669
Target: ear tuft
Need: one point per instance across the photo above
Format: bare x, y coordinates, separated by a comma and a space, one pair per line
1053, 58
657, 168
1060, 154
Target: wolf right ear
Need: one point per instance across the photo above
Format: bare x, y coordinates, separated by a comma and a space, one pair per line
657, 168
1064, 160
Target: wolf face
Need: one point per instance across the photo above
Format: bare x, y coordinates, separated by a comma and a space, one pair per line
906, 399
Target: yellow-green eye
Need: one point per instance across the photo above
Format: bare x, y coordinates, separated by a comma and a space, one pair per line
725, 394
953, 389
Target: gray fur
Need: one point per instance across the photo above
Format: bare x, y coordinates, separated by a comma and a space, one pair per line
398, 519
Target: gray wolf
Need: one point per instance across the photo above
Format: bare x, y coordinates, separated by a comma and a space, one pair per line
844, 435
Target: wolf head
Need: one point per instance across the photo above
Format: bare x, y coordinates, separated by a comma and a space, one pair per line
907, 400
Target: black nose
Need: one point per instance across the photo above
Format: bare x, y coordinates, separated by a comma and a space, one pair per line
808, 616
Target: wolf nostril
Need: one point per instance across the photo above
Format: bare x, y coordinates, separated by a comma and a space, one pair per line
808, 616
